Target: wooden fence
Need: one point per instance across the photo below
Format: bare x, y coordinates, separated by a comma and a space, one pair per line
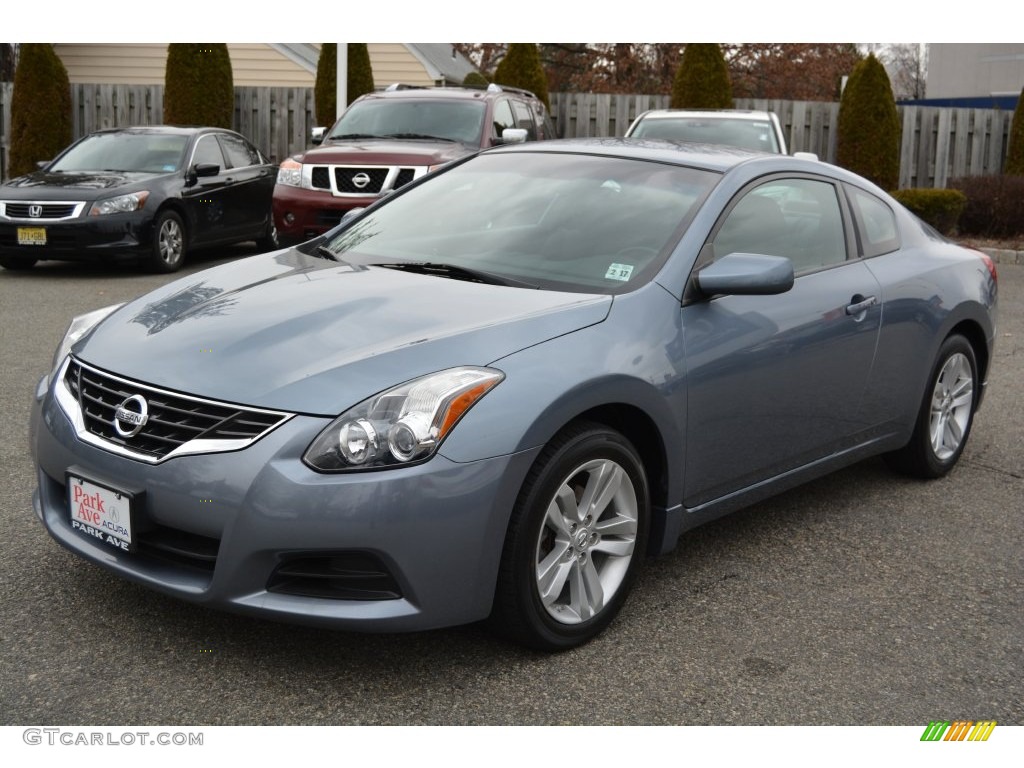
937, 143
277, 120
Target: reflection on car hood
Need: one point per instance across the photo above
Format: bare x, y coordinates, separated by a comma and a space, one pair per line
299, 333
64, 182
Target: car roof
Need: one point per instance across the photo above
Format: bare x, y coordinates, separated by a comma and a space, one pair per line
711, 157
413, 92
739, 114
720, 158
169, 130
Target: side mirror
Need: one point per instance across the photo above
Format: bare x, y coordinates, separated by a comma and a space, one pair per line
746, 274
349, 215
206, 169
42, 165
513, 136
316, 135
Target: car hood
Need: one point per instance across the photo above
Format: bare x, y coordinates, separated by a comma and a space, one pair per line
387, 152
46, 184
299, 333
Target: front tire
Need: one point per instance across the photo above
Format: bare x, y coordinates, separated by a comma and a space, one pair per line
169, 243
575, 541
270, 241
946, 414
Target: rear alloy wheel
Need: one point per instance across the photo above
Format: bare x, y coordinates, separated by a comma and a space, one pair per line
576, 539
168, 243
17, 263
945, 418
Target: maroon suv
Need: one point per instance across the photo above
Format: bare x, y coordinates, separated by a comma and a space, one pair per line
387, 139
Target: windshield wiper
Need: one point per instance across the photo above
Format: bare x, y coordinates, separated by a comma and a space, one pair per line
457, 273
356, 136
418, 136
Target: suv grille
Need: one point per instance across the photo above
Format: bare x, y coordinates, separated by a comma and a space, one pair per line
364, 180
175, 424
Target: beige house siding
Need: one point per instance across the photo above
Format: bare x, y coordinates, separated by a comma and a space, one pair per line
393, 63
144, 64
963, 70
117, 63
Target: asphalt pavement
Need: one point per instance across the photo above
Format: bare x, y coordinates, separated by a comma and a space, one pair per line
864, 598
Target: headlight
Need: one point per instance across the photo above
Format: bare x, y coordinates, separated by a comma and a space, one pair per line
290, 173
133, 201
80, 326
402, 425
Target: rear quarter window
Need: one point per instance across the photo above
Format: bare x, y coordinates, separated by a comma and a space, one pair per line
876, 223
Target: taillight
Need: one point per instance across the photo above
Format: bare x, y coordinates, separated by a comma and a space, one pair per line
991, 265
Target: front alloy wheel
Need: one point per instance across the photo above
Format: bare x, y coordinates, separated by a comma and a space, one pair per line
576, 538
586, 541
168, 243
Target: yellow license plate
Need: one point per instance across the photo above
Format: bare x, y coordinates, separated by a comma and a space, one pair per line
31, 235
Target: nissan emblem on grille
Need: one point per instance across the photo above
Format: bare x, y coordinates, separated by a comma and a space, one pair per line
360, 180
35, 211
128, 422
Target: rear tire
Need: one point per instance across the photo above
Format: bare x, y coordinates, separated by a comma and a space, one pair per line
577, 536
946, 414
168, 249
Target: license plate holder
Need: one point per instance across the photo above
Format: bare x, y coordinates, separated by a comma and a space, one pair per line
101, 511
31, 235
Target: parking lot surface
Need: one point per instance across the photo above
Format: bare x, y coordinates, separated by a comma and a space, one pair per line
864, 598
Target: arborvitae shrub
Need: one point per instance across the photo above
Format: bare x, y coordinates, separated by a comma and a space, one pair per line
702, 80
325, 90
475, 80
995, 205
521, 68
939, 207
1015, 153
40, 108
198, 85
868, 139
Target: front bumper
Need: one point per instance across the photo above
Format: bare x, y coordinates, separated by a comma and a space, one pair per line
234, 520
82, 239
301, 214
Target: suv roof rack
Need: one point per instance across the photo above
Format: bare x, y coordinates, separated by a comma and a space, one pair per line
404, 87
495, 88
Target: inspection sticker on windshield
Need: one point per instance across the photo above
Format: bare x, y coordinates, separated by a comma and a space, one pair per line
619, 272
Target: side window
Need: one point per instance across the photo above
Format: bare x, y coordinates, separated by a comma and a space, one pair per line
525, 120
238, 151
796, 218
876, 223
208, 151
502, 118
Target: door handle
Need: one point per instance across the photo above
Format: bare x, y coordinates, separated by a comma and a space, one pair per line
860, 304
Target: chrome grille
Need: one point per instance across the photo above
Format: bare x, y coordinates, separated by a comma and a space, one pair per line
176, 425
360, 181
375, 179
40, 211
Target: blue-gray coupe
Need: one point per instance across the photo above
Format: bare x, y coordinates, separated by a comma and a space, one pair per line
493, 393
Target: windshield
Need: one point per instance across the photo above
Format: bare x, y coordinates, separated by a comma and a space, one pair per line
460, 121
746, 134
143, 152
559, 221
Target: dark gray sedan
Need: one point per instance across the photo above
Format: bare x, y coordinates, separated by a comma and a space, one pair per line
492, 394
